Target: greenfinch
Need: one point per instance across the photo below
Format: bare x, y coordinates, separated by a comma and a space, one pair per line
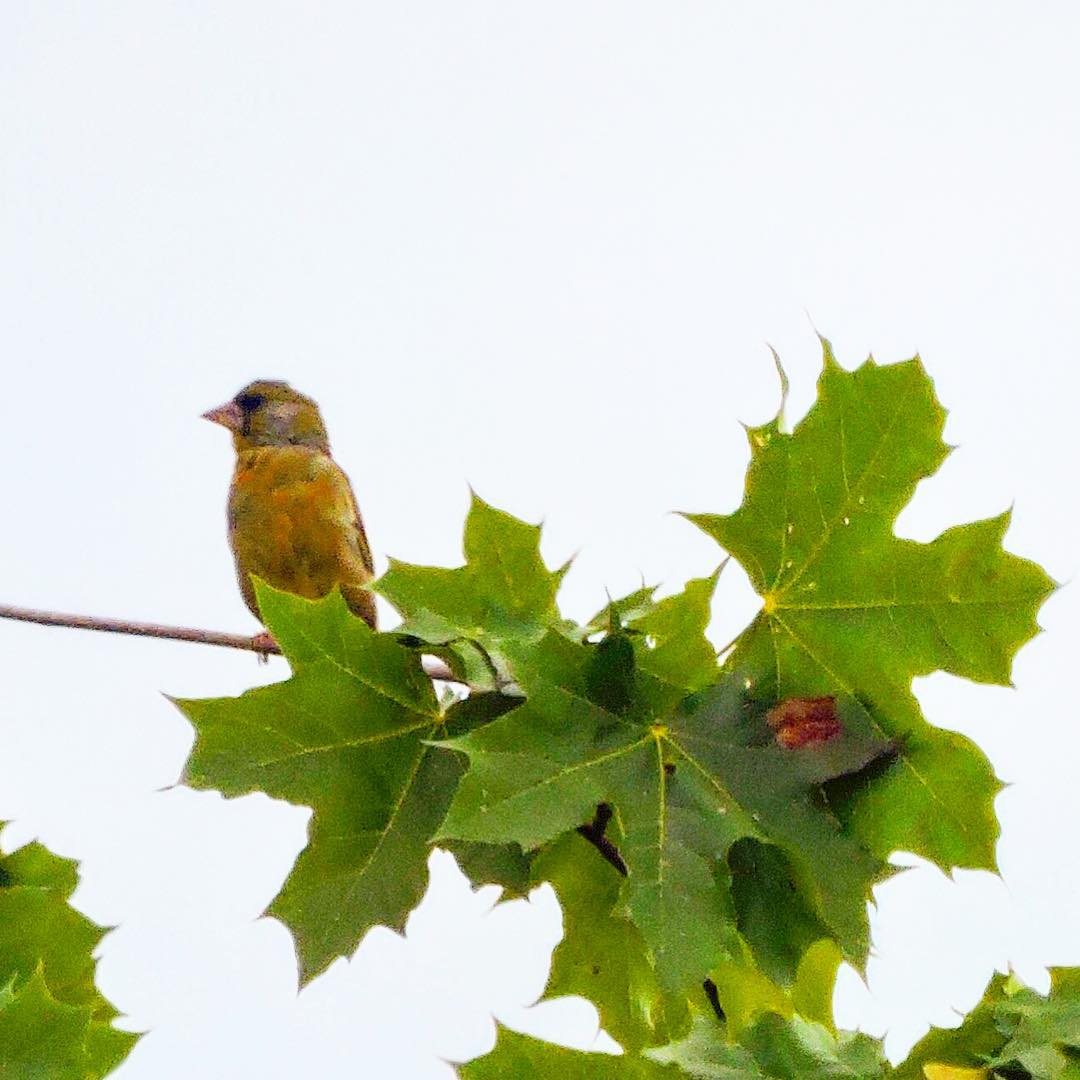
293, 519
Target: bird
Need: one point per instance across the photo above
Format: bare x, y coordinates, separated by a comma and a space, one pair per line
292, 515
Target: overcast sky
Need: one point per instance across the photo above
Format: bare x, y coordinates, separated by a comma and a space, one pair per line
535, 248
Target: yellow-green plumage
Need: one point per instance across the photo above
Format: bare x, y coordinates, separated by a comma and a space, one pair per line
293, 519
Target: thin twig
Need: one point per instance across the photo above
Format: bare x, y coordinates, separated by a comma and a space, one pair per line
141, 629
433, 667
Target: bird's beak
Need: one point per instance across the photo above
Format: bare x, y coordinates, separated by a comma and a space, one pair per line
228, 415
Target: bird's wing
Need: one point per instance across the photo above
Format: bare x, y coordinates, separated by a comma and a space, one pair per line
357, 570
343, 503
362, 540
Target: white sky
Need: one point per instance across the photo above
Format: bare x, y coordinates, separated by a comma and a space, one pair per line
538, 249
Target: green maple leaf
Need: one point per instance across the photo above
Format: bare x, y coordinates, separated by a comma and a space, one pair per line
674, 627
503, 597
602, 955
505, 865
1043, 1032
1012, 1028
774, 1048
773, 916
520, 1056
744, 992
850, 608
635, 605
43, 1037
688, 776
53, 1019
345, 735
678, 650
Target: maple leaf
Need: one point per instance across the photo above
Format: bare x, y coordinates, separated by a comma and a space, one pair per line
1043, 1032
516, 1055
1011, 1031
41, 1036
604, 958
635, 605
743, 990
774, 917
505, 865
773, 1048
602, 955
678, 650
674, 627
850, 608
688, 777
345, 735
503, 597
53, 1020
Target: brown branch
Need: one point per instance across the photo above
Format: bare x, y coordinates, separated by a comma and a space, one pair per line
433, 667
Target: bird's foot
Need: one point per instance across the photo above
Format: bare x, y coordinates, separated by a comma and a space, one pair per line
264, 645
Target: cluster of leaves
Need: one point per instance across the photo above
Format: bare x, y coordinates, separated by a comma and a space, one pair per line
713, 827
53, 1020
1012, 1034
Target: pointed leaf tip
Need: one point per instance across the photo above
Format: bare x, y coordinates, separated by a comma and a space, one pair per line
828, 357
785, 386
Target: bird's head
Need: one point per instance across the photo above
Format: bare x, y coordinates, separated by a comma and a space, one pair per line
269, 413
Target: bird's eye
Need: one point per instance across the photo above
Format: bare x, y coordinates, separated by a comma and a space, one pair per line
249, 402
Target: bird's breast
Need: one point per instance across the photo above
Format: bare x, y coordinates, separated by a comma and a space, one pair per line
285, 519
